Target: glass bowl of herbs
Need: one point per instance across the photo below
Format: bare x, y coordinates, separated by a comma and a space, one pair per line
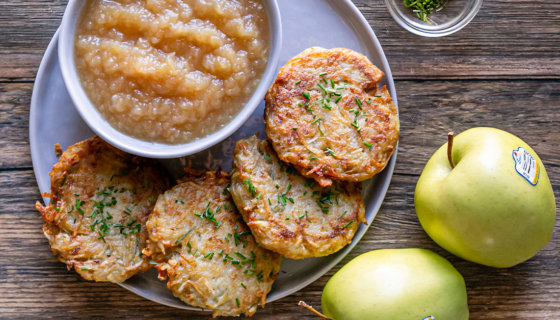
433, 18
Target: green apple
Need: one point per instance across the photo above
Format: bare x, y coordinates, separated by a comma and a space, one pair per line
407, 284
496, 206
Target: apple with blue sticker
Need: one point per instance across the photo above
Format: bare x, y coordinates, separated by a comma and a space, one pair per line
485, 196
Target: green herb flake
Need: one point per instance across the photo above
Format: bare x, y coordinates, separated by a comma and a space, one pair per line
226, 190
423, 8
153, 262
323, 74
338, 99
306, 95
349, 224
316, 120
342, 214
250, 187
358, 102
84, 269
237, 301
369, 145
184, 235
79, 204
297, 82
356, 125
209, 255
244, 287
267, 158
329, 151
294, 128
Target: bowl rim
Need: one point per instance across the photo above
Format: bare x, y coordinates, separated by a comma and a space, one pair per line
432, 33
93, 118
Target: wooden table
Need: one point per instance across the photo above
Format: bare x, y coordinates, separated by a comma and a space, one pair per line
502, 70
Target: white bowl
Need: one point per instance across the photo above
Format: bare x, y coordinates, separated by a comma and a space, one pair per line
103, 128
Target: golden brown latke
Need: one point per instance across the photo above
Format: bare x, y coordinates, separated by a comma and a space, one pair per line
202, 244
326, 115
100, 200
288, 213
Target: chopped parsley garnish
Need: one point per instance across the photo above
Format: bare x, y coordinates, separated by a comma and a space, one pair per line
237, 301
306, 95
369, 145
84, 269
349, 224
322, 74
209, 255
294, 128
297, 82
244, 287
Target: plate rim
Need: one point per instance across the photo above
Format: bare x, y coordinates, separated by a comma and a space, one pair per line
382, 182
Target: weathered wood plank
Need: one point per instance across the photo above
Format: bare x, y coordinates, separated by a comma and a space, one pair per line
428, 110
507, 39
34, 284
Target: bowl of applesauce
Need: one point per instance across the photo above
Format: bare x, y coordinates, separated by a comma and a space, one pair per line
168, 78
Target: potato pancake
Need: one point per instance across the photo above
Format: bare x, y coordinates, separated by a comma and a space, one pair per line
100, 200
202, 245
326, 115
288, 213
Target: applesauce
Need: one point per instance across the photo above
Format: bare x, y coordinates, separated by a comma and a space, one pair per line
171, 71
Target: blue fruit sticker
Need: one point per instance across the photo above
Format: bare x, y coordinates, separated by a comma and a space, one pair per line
526, 165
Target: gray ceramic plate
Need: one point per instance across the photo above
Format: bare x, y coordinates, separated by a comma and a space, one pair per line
325, 23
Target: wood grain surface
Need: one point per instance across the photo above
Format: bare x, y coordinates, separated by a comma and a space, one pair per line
502, 70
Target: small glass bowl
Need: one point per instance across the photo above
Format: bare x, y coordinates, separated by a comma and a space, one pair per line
452, 17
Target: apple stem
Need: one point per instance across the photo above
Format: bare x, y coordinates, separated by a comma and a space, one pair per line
311, 309
450, 148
